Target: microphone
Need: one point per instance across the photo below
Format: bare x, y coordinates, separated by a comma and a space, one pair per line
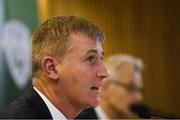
146, 112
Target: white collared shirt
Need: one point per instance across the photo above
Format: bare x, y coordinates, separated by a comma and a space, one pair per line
55, 113
101, 114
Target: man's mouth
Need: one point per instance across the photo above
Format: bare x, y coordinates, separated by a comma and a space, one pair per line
95, 88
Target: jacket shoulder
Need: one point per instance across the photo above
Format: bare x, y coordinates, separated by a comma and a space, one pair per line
29, 107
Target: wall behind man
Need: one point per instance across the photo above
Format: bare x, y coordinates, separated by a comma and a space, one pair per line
149, 29
25, 12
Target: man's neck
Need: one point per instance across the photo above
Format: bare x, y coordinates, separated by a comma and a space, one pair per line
57, 99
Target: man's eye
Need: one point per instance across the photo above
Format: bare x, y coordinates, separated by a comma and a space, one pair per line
91, 60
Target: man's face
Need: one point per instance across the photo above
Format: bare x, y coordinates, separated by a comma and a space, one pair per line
126, 90
82, 72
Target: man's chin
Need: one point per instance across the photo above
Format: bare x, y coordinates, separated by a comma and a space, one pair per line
93, 103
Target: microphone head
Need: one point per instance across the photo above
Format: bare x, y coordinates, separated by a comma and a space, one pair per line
147, 112
141, 110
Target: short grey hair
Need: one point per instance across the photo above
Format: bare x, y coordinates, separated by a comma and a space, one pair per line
115, 61
52, 37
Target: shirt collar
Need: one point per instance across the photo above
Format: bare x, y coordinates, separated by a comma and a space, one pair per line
101, 114
56, 114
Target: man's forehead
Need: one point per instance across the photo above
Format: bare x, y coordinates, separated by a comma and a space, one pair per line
86, 51
84, 43
125, 72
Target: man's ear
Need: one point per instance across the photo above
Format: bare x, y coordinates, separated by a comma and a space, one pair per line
48, 65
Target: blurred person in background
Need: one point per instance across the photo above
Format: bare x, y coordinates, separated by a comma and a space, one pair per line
67, 70
121, 89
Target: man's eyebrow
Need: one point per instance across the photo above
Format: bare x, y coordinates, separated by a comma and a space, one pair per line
94, 51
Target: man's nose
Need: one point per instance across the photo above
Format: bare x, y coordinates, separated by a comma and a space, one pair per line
102, 71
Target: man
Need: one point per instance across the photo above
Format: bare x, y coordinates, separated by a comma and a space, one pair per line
120, 90
67, 70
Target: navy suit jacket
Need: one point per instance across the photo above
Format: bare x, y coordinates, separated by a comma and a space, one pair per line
29, 107
87, 114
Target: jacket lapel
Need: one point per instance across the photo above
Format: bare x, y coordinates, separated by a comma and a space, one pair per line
38, 104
